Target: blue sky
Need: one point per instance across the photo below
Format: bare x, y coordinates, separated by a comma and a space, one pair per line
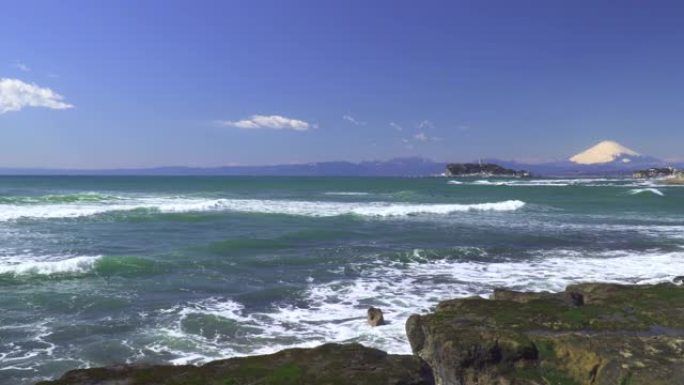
94, 84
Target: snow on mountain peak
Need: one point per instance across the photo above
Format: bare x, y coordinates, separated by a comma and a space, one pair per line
603, 152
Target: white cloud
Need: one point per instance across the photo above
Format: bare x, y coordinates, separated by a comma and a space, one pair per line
15, 95
396, 126
425, 124
353, 121
421, 137
273, 122
22, 67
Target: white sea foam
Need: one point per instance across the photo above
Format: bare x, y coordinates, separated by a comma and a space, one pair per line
300, 208
346, 193
32, 265
15, 357
454, 182
489, 183
585, 182
646, 190
335, 310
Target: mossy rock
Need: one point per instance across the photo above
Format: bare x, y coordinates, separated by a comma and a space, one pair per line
330, 364
593, 334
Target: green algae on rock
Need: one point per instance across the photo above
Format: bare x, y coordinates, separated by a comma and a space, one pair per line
594, 334
330, 364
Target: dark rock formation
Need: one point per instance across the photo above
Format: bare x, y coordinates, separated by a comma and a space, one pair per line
568, 297
375, 317
483, 170
655, 172
593, 334
331, 364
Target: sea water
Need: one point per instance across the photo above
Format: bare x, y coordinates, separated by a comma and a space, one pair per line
173, 270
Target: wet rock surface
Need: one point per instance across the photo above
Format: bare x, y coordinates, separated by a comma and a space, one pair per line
375, 317
330, 364
598, 334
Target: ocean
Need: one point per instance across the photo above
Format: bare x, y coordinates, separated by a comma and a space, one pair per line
107, 270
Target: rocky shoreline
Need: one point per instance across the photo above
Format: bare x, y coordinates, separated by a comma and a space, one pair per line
484, 170
593, 334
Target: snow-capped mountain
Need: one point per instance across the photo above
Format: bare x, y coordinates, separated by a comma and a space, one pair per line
604, 158
606, 151
610, 155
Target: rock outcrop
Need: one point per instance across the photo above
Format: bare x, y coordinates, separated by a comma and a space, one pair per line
483, 170
655, 173
330, 364
375, 317
591, 334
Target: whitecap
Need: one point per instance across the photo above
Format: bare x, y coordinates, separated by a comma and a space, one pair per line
32, 265
346, 193
335, 311
488, 183
646, 190
286, 207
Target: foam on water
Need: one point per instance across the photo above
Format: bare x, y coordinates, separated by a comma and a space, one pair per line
299, 208
646, 190
489, 183
22, 356
346, 193
335, 311
18, 265
584, 182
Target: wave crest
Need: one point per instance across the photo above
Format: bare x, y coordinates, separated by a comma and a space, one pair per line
73, 265
283, 207
637, 191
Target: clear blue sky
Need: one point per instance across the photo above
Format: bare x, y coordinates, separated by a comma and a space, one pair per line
148, 83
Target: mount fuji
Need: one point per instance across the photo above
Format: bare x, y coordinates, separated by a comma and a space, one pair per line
604, 158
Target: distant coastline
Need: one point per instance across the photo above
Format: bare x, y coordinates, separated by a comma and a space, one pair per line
399, 167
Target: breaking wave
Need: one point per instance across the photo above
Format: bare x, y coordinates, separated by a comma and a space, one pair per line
646, 190
335, 311
285, 207
346, 193
28, 265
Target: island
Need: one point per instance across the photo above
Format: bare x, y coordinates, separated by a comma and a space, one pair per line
485, 170
667, 175
655, 173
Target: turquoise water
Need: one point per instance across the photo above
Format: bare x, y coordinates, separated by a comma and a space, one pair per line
106, 270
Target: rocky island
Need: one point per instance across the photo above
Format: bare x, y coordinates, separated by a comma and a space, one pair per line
590, 334
668, 175
484, 170
655, 173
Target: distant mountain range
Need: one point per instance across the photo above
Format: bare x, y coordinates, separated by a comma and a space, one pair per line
604, 158
408, 167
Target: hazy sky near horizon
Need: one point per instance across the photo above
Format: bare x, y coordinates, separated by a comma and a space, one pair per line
95, 84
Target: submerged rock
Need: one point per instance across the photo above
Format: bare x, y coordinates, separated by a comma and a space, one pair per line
593, 334
327, 364
375, 317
